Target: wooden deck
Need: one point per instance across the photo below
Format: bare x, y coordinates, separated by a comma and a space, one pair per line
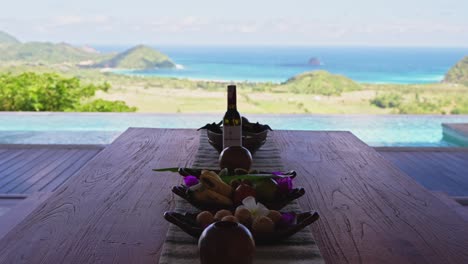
437, 169
26, 169
38, 169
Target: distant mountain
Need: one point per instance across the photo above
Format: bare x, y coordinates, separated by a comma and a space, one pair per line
458, 73
43, 52
7, 39
320, 82
139, 58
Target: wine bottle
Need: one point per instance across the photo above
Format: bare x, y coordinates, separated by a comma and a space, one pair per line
232, 122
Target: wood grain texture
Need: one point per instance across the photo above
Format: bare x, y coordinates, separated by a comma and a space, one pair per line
111, 210
370, 212
22, 208
461, 210
31, 168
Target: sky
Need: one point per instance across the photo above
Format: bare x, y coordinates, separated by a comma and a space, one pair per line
435, 23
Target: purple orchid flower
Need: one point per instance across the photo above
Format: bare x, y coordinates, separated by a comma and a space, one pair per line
284, 184
287, 219
190, 180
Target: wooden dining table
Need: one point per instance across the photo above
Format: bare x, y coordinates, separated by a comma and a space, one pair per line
111, 211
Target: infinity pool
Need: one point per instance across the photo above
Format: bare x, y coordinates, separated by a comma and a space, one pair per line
103, 128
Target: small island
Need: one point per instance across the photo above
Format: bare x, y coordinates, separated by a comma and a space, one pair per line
314, 61
138, 58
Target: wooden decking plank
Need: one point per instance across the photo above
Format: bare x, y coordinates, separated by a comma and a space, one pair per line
460, 158
40, 169
36, 164
458, 208
9, 155
436, 170
66, 167
429, 174
448, 167
52, 146
2, 152
13, 168
50, 171
53, 184
22, 209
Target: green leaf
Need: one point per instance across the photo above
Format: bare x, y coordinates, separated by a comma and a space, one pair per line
250, 177
167, 169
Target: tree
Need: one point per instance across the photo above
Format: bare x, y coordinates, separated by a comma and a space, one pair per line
48, 92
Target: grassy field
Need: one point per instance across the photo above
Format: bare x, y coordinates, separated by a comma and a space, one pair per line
169, 95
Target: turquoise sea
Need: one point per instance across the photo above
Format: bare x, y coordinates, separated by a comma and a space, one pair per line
277, 64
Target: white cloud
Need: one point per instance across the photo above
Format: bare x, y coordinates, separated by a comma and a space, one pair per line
197, 29
68, 20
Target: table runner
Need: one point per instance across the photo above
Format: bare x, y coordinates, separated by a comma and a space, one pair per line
299, 248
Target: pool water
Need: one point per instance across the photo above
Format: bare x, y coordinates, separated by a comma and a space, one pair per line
103, 128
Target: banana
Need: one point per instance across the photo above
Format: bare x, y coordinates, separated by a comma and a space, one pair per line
212, 181
210, 196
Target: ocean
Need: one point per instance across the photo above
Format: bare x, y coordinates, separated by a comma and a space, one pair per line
277, 64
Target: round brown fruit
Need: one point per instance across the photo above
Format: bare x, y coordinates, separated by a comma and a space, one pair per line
263, 224
230, 218
244, 215
221, 213
205, 218
274, 215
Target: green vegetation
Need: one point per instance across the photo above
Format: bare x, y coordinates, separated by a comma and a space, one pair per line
61, 83
387, 100
138, 58
320, 82
458, 73
7, 39
46, 53
43, 53
100, 105
461, 108
51, 92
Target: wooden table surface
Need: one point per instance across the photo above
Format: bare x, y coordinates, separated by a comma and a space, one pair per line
111, 211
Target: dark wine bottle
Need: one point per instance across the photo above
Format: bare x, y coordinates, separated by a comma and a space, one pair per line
232, 122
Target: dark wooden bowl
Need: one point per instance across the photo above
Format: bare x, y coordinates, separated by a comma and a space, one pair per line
182, 191
187, 222
250, 140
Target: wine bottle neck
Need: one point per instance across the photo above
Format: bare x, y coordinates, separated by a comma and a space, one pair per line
232, 97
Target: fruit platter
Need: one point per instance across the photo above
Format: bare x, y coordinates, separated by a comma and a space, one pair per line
253, 135
267, 226
214, 190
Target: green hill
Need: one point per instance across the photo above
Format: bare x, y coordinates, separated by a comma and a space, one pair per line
42, 52
458, 73
7, 39
139, 58
320, 82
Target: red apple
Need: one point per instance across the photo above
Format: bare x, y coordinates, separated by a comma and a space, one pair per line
243, 191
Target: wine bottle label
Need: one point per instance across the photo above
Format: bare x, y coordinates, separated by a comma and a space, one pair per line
232, 136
